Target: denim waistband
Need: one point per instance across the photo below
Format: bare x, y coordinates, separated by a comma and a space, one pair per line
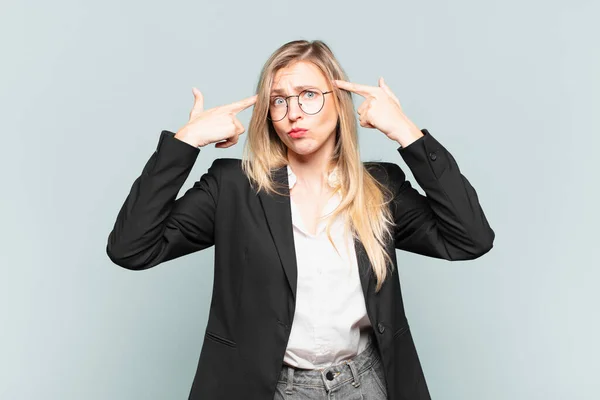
335, 375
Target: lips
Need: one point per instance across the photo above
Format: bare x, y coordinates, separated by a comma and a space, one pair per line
296, 133
297, 130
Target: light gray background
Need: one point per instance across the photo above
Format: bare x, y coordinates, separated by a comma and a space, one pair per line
510, 88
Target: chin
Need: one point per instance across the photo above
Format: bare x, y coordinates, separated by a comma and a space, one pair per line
303, 147
302, 151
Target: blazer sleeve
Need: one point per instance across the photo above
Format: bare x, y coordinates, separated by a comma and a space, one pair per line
153, 227
448, 222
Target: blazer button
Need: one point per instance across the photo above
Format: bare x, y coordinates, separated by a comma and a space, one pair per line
433, 156
380, 327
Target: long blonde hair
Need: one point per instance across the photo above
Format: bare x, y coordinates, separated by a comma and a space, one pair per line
364, 203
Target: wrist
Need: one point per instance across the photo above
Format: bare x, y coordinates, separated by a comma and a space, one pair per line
407, 140
181, 135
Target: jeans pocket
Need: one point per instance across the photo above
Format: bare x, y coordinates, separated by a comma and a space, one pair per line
378, 375
280, 391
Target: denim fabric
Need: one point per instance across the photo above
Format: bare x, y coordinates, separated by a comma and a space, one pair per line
359, 378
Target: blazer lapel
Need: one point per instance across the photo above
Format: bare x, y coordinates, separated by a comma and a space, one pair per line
278, 213
364, 266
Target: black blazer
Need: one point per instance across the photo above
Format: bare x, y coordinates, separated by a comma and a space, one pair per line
255, 274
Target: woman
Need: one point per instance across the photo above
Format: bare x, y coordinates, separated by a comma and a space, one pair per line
306, 301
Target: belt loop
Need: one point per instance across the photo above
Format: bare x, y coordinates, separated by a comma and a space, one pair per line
289, 388
356, 383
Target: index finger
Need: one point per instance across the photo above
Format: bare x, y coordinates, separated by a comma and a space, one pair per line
362, 90
242, 104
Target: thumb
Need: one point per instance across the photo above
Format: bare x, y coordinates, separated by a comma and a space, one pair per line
387, 89
198, 99
198, 103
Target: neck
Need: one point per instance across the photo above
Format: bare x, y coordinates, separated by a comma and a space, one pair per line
312, 170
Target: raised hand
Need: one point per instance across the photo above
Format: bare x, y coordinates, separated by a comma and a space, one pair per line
218, 124
382, 110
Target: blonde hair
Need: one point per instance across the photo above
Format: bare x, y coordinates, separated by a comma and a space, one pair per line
364, 203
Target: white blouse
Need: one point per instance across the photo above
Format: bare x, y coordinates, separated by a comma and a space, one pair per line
330, 322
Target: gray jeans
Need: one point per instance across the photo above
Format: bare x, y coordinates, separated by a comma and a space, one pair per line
358, 378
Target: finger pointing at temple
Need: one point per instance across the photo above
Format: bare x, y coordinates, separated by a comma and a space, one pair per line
240, 105
362, 90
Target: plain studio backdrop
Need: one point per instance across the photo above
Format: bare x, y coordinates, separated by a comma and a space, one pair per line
511, 89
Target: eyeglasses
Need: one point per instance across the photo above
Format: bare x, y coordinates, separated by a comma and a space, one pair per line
311, 101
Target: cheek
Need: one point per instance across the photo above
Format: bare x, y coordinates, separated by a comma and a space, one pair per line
330, 116
281, 130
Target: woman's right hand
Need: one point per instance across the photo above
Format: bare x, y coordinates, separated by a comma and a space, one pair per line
218, 124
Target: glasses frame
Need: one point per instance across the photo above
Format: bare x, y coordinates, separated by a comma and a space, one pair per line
287, 103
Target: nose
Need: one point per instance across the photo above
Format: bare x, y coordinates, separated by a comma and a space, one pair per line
294, 110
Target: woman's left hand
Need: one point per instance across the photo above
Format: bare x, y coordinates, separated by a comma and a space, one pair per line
382, 110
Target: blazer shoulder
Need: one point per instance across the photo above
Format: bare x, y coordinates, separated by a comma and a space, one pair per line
228, 165
228, 169
387, 173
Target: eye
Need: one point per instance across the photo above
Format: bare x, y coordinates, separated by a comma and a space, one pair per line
277, 101
309, 94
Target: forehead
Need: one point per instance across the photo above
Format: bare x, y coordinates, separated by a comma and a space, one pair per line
300, 73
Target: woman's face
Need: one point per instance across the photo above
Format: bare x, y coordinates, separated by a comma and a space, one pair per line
321, 126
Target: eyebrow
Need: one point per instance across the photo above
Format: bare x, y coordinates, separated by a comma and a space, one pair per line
298, 88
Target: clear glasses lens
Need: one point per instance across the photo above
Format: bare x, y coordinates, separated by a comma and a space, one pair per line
310, 101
